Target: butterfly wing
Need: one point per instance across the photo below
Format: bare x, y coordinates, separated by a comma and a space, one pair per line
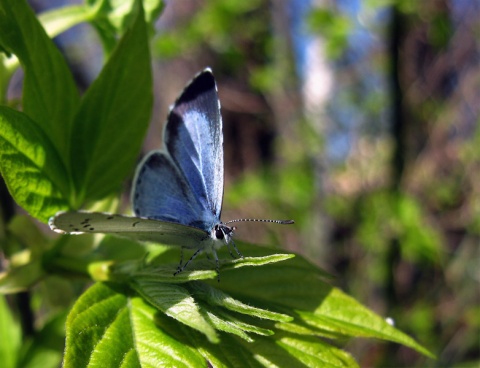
184, 184
126, 226
194, 140
162, 193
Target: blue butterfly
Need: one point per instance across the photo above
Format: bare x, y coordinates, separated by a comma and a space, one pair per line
178, 191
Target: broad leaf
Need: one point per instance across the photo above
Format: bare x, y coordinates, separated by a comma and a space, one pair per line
114, 329
250, 312
29, 163
113, 117
180, 302
296, 285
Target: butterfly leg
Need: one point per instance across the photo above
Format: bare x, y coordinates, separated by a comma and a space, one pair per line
227, 242
179, 267
182, 267
236, 249
229, 248
217, 264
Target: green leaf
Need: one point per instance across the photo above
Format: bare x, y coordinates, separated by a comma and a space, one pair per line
297, 286
307, 351
341, 314
10, 336
165, 274
50, 96
234, 326
113, 117
250, 310
203, 271
218, 298
186, 304
175, 301
54, 21
110, 328
279, 350
30, 165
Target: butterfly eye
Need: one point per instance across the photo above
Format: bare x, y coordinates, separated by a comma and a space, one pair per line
218, 233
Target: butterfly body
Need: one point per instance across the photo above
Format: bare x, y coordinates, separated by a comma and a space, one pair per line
177, 191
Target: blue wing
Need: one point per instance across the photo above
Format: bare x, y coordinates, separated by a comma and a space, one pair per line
184, 184
194, 139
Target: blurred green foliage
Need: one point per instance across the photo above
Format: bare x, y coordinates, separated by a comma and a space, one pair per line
333, 26
432, 219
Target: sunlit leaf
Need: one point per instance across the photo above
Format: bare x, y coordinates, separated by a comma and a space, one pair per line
110, 328
30, 165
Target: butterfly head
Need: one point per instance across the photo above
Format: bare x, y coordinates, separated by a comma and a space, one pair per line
223, 232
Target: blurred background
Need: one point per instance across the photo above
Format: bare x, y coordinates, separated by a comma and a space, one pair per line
357, 119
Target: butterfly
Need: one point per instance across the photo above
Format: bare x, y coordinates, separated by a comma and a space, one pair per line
177, 191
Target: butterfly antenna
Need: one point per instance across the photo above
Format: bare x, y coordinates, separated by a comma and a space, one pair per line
281, 222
